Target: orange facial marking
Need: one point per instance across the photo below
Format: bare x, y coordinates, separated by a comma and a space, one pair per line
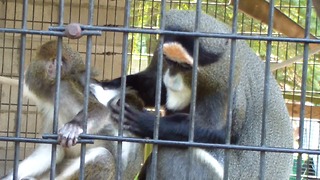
175, 52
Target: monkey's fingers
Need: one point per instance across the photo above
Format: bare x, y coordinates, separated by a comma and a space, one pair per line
68, 134
132, 129
128, 116
127, 107
67, 142
63, 142
126, 121
115, 109
72, 139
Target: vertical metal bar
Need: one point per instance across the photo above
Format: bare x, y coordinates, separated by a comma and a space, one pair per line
105, 45
133, 16
86, 89
154, 163
266, 93
11, 70
1, 86
20, 90
230, 89
194, 84
303, 87
114, 37
124, 67
194, 73
57, 94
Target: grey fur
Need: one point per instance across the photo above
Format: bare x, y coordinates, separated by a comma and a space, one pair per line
247, 109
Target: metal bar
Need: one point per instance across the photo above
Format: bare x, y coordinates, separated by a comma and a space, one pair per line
20, 91
95, 30
200, 145
194, 84
49, 139
266, 93
124, 67
49, 33
230, 89
154, 163
1, 89
86, 89
194, 74
193, 34
303, 88
57, 94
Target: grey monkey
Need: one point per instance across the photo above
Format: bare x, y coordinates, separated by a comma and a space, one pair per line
211, 106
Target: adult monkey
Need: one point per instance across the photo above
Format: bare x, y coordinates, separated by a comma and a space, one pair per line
100, 157
211, 107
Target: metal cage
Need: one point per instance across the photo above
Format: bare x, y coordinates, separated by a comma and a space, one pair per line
119, 38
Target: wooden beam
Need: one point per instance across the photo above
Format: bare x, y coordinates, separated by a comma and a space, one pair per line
259, 9
310, 111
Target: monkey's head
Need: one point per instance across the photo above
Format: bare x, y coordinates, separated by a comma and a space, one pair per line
41, 73
179, 49
71, 61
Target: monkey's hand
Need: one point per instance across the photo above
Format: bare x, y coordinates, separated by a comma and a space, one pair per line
69, 133
172, 127
135, 121
141, 123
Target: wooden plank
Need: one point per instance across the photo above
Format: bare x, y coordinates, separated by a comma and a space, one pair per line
310, 111
259, 9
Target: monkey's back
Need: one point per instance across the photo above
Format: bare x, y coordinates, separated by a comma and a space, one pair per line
248, 100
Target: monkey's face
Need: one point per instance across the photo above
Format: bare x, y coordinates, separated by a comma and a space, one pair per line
51, 68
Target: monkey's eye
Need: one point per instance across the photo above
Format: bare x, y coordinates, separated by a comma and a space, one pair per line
169, 62
185, 65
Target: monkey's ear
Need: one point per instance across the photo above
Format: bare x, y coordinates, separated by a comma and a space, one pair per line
177, 53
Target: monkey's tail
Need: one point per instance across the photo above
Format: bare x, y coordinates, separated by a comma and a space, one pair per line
9, 81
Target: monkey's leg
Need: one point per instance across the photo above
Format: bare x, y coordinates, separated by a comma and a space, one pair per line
99, 164
37, 163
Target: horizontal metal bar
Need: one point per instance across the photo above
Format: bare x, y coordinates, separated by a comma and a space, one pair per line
202, 145
29, 31
55, 136
43, 32
193, 34
38, 140
88, 139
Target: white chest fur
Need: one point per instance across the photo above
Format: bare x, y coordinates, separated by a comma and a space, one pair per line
103, 95
178, 94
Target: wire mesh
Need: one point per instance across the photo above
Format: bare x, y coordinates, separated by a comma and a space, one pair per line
299, 81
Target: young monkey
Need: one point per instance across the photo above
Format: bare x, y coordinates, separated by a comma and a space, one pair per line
100, 158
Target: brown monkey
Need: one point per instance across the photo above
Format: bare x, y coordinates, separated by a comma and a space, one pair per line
100, 158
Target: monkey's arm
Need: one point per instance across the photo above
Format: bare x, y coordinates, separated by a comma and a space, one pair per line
145, 85
96, 120
172, 127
